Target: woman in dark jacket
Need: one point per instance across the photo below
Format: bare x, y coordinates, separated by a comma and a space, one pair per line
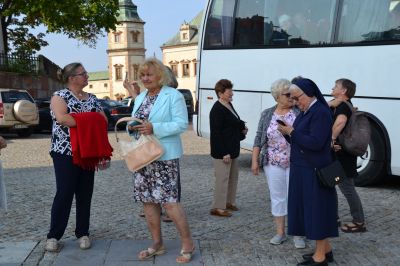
227, 130
311, 207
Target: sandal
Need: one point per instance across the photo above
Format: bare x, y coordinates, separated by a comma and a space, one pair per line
186, 256
149, 253
221, 213
353, 228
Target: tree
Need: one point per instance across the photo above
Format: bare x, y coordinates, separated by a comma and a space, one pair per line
84, 20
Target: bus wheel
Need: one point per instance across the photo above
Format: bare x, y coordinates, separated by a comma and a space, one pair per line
371, 167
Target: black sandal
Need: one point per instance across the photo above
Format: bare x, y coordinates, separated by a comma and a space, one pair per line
353, 228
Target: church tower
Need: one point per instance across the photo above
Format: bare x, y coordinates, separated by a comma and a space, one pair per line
125, 47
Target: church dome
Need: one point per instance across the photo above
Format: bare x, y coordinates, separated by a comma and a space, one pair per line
128, 11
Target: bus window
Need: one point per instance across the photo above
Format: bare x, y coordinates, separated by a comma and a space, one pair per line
367, 20
249, 23
394, 17
283, 22
220, 24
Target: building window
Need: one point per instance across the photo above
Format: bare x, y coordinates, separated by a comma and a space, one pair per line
118, 72
105, 85
185, 70
195, 68
117, 37
185, 36
174, 69
135, 36
90, 86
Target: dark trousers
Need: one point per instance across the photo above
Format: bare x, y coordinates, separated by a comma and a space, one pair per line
348, 189
70, 180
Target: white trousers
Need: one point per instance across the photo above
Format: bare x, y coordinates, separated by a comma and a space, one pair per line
278, 183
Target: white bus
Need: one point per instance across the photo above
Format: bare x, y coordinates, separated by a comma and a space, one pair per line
254, 42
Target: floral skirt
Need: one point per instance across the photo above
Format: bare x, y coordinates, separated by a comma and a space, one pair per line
158, 182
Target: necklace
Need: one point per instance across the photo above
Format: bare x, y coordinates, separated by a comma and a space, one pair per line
79, 94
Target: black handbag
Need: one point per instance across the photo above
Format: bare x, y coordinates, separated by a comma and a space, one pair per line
331, 175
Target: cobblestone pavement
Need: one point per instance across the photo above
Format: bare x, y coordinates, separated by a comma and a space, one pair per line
240, 240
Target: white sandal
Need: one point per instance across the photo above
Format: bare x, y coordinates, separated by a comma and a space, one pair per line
151, 252
186, 256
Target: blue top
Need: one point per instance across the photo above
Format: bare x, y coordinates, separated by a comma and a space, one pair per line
169, 119
311, 138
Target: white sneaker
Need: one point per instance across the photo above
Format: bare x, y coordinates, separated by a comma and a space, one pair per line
84, 242
299, 242
51, 245
278, 239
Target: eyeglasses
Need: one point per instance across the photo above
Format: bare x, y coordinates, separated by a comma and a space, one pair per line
296, 98
286, 94
81, 74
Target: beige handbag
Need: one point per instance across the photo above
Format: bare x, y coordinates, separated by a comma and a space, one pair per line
139, 153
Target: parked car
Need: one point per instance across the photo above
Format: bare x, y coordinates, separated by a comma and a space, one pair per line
128, 101
18, 112
115, 110
45, 120
187, 94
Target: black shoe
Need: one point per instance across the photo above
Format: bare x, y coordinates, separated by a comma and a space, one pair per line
328, 256
312, 262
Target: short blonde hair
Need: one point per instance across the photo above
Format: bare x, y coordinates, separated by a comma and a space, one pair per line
278, 86
161, 70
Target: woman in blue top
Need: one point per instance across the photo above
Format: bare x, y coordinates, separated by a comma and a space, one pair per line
311, 207
164, 111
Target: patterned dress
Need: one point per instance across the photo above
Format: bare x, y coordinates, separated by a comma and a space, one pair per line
158, 182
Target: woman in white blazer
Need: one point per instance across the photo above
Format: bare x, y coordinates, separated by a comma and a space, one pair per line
164, 111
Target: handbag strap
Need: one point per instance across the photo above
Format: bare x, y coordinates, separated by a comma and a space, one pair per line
124, 119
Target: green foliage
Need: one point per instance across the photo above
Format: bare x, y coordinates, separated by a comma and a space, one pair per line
84, 20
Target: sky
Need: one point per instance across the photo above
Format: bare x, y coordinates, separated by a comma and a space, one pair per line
163, 19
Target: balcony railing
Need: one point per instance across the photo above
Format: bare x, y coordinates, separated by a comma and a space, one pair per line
36, 65
19, 64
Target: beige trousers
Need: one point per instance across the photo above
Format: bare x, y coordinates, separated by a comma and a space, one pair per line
226, 180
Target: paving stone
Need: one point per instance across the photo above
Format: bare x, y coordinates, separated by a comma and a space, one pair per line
71, 254
242, 239
15, 252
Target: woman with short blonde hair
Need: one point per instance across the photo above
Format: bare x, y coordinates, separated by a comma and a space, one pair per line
272, 151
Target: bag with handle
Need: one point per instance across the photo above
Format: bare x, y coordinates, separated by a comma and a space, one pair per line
331, 175
355, 137
141, 152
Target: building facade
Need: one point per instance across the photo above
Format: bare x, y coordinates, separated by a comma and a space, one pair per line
180, 54
125, 53
99, 84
